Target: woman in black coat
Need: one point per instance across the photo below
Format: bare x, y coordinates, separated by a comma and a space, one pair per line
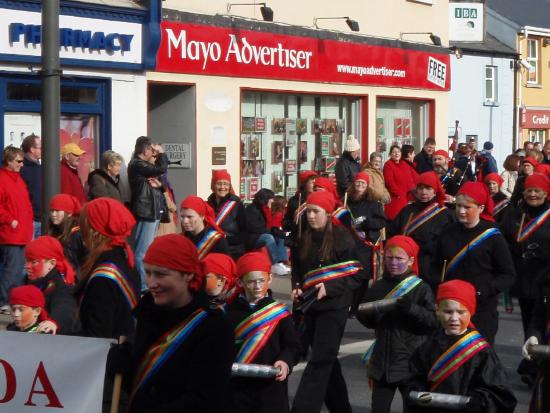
296, 206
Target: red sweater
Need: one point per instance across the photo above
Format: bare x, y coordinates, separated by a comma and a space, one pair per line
70, 182
15, 204
400, 178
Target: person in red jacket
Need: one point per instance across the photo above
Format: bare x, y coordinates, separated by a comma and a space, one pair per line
400, 178
16, 223
70, 182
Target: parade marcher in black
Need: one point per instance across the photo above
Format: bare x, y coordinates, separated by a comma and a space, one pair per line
424, 159
297, 205
264, 334
365, 219
325, 263
28, 310
528, 166
465, 161
473, 250
402, 329
450, 177
48, 269
500, 200
198, 224
182, 352
424, 219
220, 273
229, 211
457, 360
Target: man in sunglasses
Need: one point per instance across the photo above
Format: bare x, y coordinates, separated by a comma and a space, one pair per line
16, 223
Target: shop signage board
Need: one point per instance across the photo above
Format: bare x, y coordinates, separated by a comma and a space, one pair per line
535, 119
208, 50
179, 154
466, 22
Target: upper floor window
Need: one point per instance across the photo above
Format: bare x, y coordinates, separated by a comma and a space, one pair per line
491, 91
533, 59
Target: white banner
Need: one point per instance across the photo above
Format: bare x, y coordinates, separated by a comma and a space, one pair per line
43, 373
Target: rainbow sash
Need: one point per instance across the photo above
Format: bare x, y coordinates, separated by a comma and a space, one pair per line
340, 213
424, 216
404, 287
49, 288
533, 225
225, 211
455, 356
470, 246
256, 329
164, 347
112, 272
207, 242
500, 206
330, 272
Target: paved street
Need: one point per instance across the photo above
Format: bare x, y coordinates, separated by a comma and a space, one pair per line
357, 338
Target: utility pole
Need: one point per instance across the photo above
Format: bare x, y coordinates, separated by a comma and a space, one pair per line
51, 107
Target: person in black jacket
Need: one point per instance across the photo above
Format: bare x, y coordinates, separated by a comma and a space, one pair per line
147, 201
197, 340
197, 224
48, 269
262, 233
348, 165
325, 269
473, 250
424, 159
31, 172
229, 210
457, 360
424, 219
528, 166
401, 329
277, 345
500, 200
296, 206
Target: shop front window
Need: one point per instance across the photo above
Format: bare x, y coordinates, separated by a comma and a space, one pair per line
537, 135
283, 134
400, 121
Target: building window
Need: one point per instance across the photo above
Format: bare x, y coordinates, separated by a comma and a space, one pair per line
491, 94
537, 135
533, 59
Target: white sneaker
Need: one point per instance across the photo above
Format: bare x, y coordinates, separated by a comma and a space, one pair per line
280, 269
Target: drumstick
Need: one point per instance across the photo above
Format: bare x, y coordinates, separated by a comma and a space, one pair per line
520, 226
117, 384
297, 219
444, 270
345, 200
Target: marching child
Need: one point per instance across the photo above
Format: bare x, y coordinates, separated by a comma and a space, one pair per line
401, 328
264, 334
220, 272
27, 310
457, 359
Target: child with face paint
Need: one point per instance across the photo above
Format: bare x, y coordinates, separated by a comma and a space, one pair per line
219, 272
457, 359
27, 310
401, 329
264, 334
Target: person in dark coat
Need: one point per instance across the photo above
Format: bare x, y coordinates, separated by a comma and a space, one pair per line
424, 159
400, 330
325, 268
424, 219
473, 250
471, 368
528, 166
70, 181
103, 182
197, 340
48, 269
32, 175
296, 206
348, 165
197, 224
400, 180
278, 345
493, 181
229, 210
450, 177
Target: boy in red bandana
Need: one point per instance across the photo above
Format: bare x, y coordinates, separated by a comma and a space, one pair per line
27, 310
457, 359
264, 334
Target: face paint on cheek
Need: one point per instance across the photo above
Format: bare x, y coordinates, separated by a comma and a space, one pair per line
464, 318
36, 270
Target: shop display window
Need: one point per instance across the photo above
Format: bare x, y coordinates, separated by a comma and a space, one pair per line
400, 121
283, 134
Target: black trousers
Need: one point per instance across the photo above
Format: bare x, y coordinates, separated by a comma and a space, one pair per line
322, 380
486, 322
527, 305
382, 396
257, 397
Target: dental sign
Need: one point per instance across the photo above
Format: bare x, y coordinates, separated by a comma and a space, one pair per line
209, 50
81, 39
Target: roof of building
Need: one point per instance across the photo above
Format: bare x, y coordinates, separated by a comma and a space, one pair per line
525, 12
491, 45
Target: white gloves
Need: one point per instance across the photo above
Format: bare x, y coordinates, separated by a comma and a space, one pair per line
531, 341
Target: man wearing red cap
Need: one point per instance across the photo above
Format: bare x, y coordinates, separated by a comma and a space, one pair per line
264, 334
458, 360
424, 219
229, 211
182, 351
473, 250
400, 329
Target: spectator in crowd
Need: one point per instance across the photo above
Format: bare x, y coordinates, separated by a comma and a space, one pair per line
377, 187
400, 179
510, 174
147, 201
528, 165
348, 165
16, 223
485, 162
465, 162
104, 180
423, 160
70, 181
528, 146
546, 153
537, 146
407, 155
28, 311
32, 175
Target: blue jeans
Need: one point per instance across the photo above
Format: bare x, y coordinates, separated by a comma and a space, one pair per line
12, 262
144, 234
37, 226
275, 246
